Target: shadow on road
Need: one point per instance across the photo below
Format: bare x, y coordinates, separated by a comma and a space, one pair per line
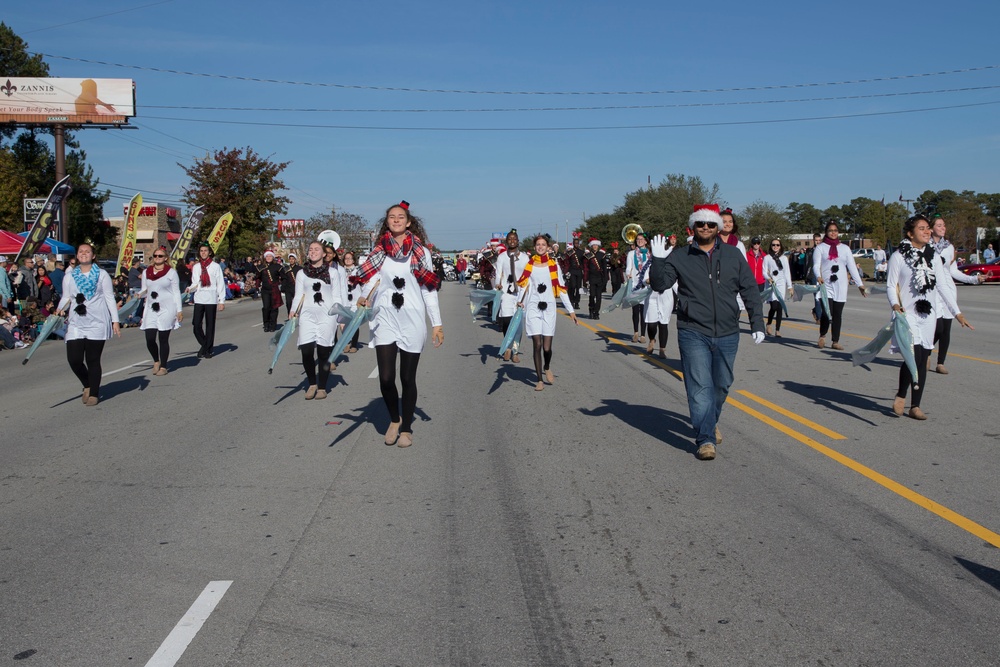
838, 400
659, 424
982, 572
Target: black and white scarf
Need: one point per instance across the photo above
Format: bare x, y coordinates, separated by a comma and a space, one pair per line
921, 264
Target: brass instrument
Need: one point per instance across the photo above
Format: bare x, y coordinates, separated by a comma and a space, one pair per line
630, 232
489, 254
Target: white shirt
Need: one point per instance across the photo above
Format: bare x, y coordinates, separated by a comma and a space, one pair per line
405, 326
215, 293
102, 310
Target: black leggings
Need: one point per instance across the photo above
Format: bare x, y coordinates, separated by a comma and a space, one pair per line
504, 323
942, 338
825, 323
637, 314
653, 327
385, 355
542, 354
309, 360
159, 352
84, 358
921, 355
774, 314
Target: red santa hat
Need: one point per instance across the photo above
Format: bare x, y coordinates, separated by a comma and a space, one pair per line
705, 213
594, 241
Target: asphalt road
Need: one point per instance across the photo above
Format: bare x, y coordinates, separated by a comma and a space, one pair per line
571, 526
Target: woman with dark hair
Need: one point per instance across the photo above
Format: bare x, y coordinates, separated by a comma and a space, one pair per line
510, 265
541, 283
318, 287
779, 275
945, 252
636, 266
832, 262
353, 290
400, 272
44, 283
91, 322
912, 286
163, 311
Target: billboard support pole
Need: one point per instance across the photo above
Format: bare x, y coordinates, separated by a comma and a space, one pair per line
59, 132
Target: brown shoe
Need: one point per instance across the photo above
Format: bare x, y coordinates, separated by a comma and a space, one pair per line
539, 386
516, 358
898, 406
770, 332
156, 367
635, 337
405, 440
311, 392
92, 401
86, 395
392, 433
649, 346
718, 436
917, 413
506, 355
822, 343
941, 369
837, 346
320, 394
777, 334
642, 339
549, 377
160, 371
706, 452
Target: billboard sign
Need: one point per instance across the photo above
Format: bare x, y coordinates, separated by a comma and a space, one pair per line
32, 207
291, 229
71, 101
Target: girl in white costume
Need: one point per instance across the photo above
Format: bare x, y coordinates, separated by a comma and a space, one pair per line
353, 292
163, 310
912, 283
91, 322
659, 306
945, 253
832, 262
779, 274
636, 265
406, 295
510, 265
540, 284
318, 287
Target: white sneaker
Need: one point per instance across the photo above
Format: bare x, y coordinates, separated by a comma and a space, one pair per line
18, 345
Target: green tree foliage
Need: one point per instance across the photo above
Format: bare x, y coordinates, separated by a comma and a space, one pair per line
765, 220
963, 213
241, 181
15, 61
354, 232
804, 218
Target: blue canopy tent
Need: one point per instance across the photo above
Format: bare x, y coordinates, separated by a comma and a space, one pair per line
58, 247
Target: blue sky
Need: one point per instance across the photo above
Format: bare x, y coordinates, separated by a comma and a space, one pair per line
477, 171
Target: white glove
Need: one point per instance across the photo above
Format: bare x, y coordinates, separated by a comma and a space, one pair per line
758, 337
658, 246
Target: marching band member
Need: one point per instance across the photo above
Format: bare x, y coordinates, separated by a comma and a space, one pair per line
318, 287
400, 267
510, 265
913, 286
540, 284
832, 260
779, 274
91, 322
163, 310
596, 267
636, 266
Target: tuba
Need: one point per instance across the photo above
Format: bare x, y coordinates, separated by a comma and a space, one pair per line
330, 238
630, 231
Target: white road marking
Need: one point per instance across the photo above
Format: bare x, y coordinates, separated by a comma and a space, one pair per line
374, 373
125, 368
181, 636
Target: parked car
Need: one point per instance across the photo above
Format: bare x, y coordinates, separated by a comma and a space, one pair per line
864, 252
991, 270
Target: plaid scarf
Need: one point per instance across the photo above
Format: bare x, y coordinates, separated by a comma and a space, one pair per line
387, 245
557, 289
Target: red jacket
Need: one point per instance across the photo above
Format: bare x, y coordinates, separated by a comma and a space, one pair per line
756, 266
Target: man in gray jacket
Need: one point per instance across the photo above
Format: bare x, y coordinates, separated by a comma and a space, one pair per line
709, 275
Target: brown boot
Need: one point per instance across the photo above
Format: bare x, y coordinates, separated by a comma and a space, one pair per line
837, 346
549, 377
770, 331
392, 433
92, 401
311, 392
320, 394
506, 355
941, 369
899, 406
917, 413
822, 342
86, 394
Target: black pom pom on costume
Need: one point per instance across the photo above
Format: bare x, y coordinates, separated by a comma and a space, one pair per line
924, 307
510, 279
317, 286
80, 309
156, 307
835, 268
397, 298
350, 297
155, 295
541, 288
399, 283
775, 272
318, 297
80, 298
833, 279
542, 305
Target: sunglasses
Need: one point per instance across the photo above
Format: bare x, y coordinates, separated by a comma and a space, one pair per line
775, 245
702, 223
161, 256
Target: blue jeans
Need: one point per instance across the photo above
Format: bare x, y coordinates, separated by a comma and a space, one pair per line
708, 373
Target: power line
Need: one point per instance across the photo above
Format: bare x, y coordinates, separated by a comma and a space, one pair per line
99, 16
578, 128
899, 77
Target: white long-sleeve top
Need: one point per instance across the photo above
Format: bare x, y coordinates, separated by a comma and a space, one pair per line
778, 273
542, 320
215, 293
102, 310
951, 274
405, 326
659, 306
163, 302
633, 265
921, 326
507, 281
316, 325
825, 267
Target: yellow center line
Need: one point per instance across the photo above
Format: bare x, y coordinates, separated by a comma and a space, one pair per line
791, 415
985, 361
626, 345
923, 501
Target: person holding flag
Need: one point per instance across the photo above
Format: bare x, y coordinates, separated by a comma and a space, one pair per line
90, 323
209, 287
163, 308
